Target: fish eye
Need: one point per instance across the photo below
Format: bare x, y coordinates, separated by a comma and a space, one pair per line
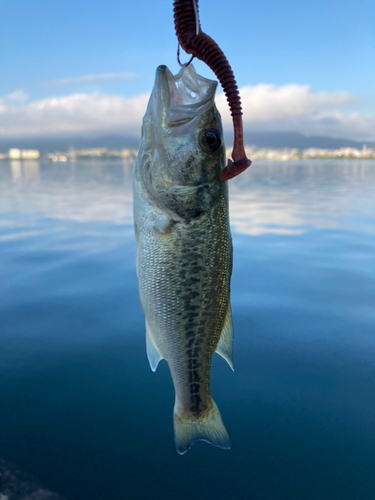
211, 140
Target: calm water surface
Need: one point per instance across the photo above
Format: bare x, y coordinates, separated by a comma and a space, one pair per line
79, 406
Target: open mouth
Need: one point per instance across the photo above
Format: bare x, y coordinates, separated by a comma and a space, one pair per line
183, 96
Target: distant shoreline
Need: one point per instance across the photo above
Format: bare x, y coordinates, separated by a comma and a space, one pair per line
253, 152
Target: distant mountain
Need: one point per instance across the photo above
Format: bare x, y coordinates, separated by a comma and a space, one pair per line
278, 140
50, 144
275, 140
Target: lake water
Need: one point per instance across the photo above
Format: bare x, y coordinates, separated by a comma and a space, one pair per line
79, 406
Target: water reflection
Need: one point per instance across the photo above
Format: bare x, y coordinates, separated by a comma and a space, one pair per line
269, 198
16, 168
82, 191
76, 392
290, 198
26, 171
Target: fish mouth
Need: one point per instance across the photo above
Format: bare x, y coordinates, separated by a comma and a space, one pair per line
182, 97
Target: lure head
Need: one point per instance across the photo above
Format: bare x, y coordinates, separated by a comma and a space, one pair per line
182, 151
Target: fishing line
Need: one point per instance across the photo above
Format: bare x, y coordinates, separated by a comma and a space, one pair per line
196, 32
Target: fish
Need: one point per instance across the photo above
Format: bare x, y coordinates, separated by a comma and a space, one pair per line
184, 246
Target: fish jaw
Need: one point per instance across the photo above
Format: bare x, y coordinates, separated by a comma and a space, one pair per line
178, 170
176, 101
181, 97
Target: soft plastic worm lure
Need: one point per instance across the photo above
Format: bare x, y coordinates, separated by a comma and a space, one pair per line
194, 41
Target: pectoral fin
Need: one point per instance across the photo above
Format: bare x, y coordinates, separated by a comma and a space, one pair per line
153, 353
225, 345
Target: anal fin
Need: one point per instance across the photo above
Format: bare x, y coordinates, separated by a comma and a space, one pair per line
153, 354
225, 345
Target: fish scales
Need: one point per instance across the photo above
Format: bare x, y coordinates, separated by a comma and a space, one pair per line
187, 296
184, 253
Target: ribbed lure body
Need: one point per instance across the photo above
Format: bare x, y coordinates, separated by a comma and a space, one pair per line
194, 41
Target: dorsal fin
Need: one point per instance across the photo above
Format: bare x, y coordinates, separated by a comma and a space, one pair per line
225, 345
153, 354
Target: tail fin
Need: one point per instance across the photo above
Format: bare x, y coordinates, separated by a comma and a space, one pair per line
188, 430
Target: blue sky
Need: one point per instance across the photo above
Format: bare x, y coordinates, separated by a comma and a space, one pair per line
324, 47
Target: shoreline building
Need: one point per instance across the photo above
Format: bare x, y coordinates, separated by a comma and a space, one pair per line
23, 154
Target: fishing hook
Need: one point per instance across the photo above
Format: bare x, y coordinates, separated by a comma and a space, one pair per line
178, 57
194, 41
197, 28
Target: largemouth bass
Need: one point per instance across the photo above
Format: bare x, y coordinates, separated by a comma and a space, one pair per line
184, 246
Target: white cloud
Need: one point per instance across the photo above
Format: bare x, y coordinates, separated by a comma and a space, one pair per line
334, 123
268, 103
19, 96
76, 113
296, 108
102, 78
266, 107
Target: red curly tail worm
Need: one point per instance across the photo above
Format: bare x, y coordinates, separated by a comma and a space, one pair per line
207, 50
